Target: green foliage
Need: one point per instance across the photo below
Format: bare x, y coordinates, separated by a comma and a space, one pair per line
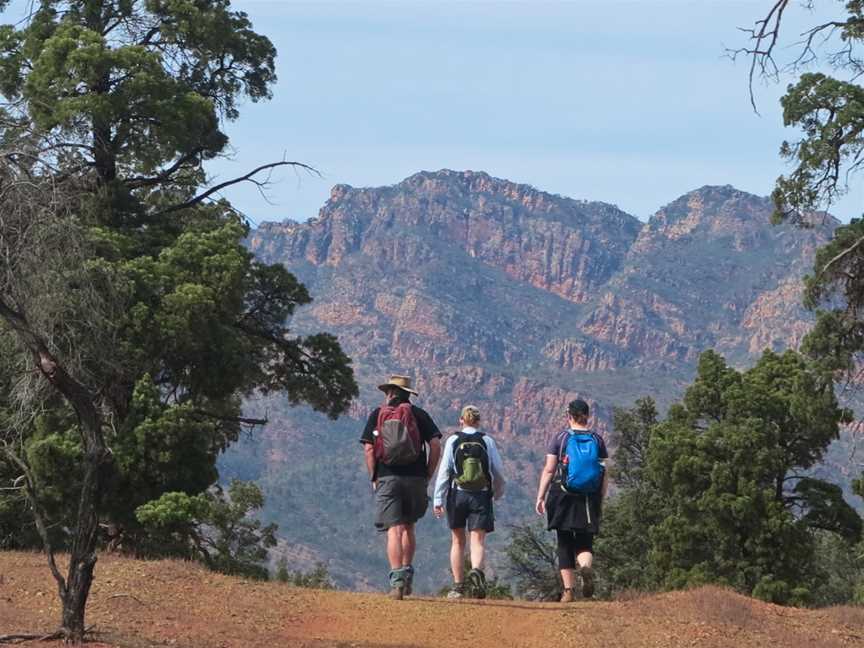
533, 563
839, 571
728, 466
316, 578
128, 99
624, 543
212, 527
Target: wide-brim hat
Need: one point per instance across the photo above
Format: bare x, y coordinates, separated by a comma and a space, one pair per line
402, 382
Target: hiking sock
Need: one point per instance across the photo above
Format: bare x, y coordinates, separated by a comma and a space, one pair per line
397, 583
397, 577
409, 579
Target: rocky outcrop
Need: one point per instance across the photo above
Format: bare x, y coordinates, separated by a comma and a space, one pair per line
494, 293
581, 355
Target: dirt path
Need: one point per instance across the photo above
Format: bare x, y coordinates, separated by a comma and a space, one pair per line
143, 604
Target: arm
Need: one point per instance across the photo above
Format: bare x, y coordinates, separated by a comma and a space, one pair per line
431, 436
434, 457
545, 480
496, 466
445, 472
369, 456
368, 441
604, 461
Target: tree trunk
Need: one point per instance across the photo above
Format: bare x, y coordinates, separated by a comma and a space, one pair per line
83, 557
76, 589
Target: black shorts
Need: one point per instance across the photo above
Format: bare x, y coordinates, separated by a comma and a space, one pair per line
471, 509
571, 544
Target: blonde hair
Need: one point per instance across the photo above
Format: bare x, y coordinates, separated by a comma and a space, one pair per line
470, 415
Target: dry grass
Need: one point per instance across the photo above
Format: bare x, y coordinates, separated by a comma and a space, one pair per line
144, 604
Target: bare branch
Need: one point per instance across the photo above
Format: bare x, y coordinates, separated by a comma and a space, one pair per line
249, 177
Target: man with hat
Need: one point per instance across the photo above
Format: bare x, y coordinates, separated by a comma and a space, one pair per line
395, 442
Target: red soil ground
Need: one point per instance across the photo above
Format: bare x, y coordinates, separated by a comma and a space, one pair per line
137, 604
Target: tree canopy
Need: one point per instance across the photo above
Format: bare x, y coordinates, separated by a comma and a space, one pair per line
151, 335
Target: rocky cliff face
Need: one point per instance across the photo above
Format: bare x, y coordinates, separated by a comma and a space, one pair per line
493, 292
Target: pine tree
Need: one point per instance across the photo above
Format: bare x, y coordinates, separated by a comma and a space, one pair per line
126, 282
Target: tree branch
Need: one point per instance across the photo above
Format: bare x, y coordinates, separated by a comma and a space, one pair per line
249, 177
39, 517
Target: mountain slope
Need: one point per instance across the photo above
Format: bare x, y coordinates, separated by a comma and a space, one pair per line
517, 300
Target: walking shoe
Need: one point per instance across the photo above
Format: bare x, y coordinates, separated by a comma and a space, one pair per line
457, 591
397, 584
587, 575
477, 580
567, 595
409, 579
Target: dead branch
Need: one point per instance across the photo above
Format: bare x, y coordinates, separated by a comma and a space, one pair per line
132, 596
22, 638
249, 177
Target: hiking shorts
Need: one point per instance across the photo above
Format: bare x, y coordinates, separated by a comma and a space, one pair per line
471, 509
571, 544
400, 500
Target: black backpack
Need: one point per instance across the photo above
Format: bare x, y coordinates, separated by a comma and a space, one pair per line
472, 462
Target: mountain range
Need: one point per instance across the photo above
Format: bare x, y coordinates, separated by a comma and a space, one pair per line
495, 293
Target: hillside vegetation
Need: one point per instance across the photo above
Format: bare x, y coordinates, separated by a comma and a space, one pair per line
139, 604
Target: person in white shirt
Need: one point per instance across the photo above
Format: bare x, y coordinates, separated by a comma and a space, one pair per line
469, 477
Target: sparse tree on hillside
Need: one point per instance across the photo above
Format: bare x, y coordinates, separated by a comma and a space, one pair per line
154, 321
316, 578
214, 527
533, 563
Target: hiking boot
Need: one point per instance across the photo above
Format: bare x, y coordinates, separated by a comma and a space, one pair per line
567, 595
477, 581
587, 575
457, 591
409, 579
397, 584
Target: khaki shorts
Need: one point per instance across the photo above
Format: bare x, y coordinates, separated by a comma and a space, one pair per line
400, 500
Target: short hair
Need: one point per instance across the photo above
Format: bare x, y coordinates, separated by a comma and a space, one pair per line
578, 409
470, 414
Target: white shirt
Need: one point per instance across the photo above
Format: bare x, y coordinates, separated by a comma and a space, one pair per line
447, 468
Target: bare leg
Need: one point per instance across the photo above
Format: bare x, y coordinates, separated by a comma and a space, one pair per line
409, 544
568, 576
457, 551
478, 548
394, 545
585, 559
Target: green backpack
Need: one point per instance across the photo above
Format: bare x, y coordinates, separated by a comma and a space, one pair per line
472, 462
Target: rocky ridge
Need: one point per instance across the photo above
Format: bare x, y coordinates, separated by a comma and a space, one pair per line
519, 300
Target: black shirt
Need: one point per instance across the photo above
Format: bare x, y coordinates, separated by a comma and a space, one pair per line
428, 431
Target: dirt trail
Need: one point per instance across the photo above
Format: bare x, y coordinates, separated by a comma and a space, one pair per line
137, 604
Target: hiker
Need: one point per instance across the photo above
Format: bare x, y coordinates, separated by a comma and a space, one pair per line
572, 486
395, 440
470, 476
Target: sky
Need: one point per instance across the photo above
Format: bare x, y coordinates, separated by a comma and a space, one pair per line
632, 103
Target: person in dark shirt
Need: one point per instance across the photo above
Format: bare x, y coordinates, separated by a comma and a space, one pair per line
575, 518
401, 490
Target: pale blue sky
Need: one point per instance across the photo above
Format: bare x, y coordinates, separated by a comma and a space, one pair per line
632, 103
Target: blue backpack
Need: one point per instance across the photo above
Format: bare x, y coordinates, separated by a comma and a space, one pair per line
580, 470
